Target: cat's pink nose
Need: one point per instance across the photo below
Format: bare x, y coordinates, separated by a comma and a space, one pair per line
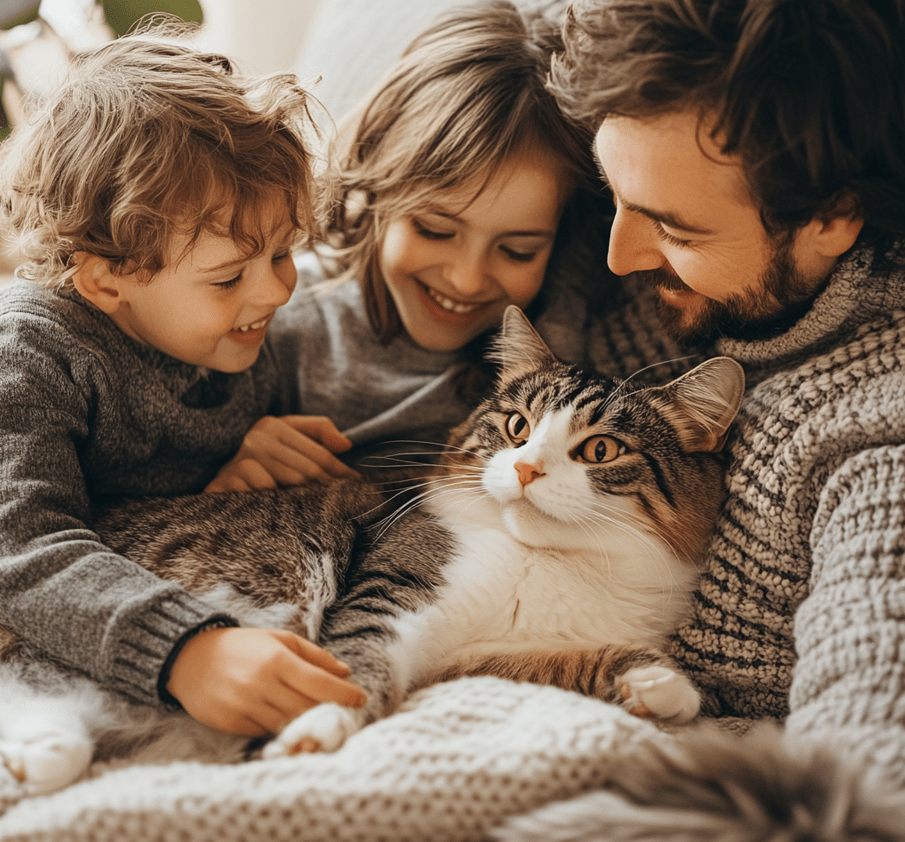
528, 473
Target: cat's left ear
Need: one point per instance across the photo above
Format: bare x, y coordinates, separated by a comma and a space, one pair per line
705, 403
518, 347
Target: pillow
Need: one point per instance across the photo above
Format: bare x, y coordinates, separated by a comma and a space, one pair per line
351, 43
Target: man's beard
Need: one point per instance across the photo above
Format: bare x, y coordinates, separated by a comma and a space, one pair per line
782, 296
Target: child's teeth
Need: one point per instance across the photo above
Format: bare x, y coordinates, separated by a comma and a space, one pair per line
255, 326
457, 307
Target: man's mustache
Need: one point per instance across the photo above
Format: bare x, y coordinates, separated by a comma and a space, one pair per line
664, 279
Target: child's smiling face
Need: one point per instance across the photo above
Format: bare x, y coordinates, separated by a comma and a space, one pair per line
454, 268
211, 306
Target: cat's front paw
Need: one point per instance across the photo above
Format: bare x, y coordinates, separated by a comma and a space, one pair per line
44, 757
323, 728
657, 692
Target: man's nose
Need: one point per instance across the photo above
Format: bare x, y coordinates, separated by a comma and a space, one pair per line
634, 244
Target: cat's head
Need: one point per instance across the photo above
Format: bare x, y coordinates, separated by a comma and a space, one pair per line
568, 456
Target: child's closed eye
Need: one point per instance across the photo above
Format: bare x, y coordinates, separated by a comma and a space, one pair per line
519, 256
430, 233
228, 284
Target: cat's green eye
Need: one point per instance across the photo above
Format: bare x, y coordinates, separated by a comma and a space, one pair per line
600, 449
517, 428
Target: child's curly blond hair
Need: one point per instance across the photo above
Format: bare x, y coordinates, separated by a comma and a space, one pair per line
144, 140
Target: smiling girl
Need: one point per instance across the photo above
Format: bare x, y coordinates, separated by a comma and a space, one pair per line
452, 181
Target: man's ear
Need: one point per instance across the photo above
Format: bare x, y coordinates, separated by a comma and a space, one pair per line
96, 283
834, 233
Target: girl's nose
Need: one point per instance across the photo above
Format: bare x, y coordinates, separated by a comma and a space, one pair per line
634, 244
468, 274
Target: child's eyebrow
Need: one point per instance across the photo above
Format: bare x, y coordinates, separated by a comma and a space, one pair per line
287, 236
220, 267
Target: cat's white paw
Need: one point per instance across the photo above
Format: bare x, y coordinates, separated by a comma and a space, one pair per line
323, 728
44, 755
659, 693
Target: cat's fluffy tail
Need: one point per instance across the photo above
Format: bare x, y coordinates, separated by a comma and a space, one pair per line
710, 786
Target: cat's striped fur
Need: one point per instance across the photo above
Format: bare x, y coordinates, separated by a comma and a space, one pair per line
558, 539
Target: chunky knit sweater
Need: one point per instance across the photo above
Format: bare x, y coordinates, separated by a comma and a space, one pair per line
801, 609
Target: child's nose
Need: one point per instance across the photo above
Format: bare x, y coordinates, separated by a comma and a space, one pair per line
277, 285
468, 274
633, 244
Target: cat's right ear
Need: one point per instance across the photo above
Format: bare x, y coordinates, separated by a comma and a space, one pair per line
518, 348
96, 283
705, 403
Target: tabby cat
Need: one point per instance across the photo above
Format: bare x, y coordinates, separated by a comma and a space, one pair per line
557, 539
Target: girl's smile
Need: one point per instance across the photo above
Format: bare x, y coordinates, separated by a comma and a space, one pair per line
451, 306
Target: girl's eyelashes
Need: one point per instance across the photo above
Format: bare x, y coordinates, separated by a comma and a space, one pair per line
519, 256
430, 233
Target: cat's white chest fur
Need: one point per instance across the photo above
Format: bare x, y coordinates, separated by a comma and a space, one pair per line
524, 579
502, 595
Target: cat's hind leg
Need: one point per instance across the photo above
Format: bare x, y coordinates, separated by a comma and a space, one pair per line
641, 680
658, 692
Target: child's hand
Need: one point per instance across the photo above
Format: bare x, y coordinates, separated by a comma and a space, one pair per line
255, 681
285, 451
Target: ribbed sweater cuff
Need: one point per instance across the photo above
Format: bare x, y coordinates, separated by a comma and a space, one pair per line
147, 642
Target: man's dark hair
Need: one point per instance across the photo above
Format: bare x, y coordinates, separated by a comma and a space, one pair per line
809, 93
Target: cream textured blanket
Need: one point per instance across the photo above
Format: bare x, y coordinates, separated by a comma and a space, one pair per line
453, 762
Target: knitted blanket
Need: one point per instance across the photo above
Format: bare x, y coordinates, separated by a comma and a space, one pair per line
455, 761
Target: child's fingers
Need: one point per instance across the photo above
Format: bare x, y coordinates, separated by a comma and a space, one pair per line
241, 475
322, 686
313, 682
313, 653
321, 429
297, 458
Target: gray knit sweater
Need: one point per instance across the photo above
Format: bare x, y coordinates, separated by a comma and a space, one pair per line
88, 415
801, 609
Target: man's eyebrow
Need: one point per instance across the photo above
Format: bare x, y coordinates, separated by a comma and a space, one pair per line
671, 220
667, 218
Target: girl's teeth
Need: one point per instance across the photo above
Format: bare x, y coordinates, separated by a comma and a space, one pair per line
451, 306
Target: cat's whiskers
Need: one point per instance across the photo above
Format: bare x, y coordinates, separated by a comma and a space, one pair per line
429, 485
633, 525
619, 386
585, 523
456, 487
666, 582
624, 523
